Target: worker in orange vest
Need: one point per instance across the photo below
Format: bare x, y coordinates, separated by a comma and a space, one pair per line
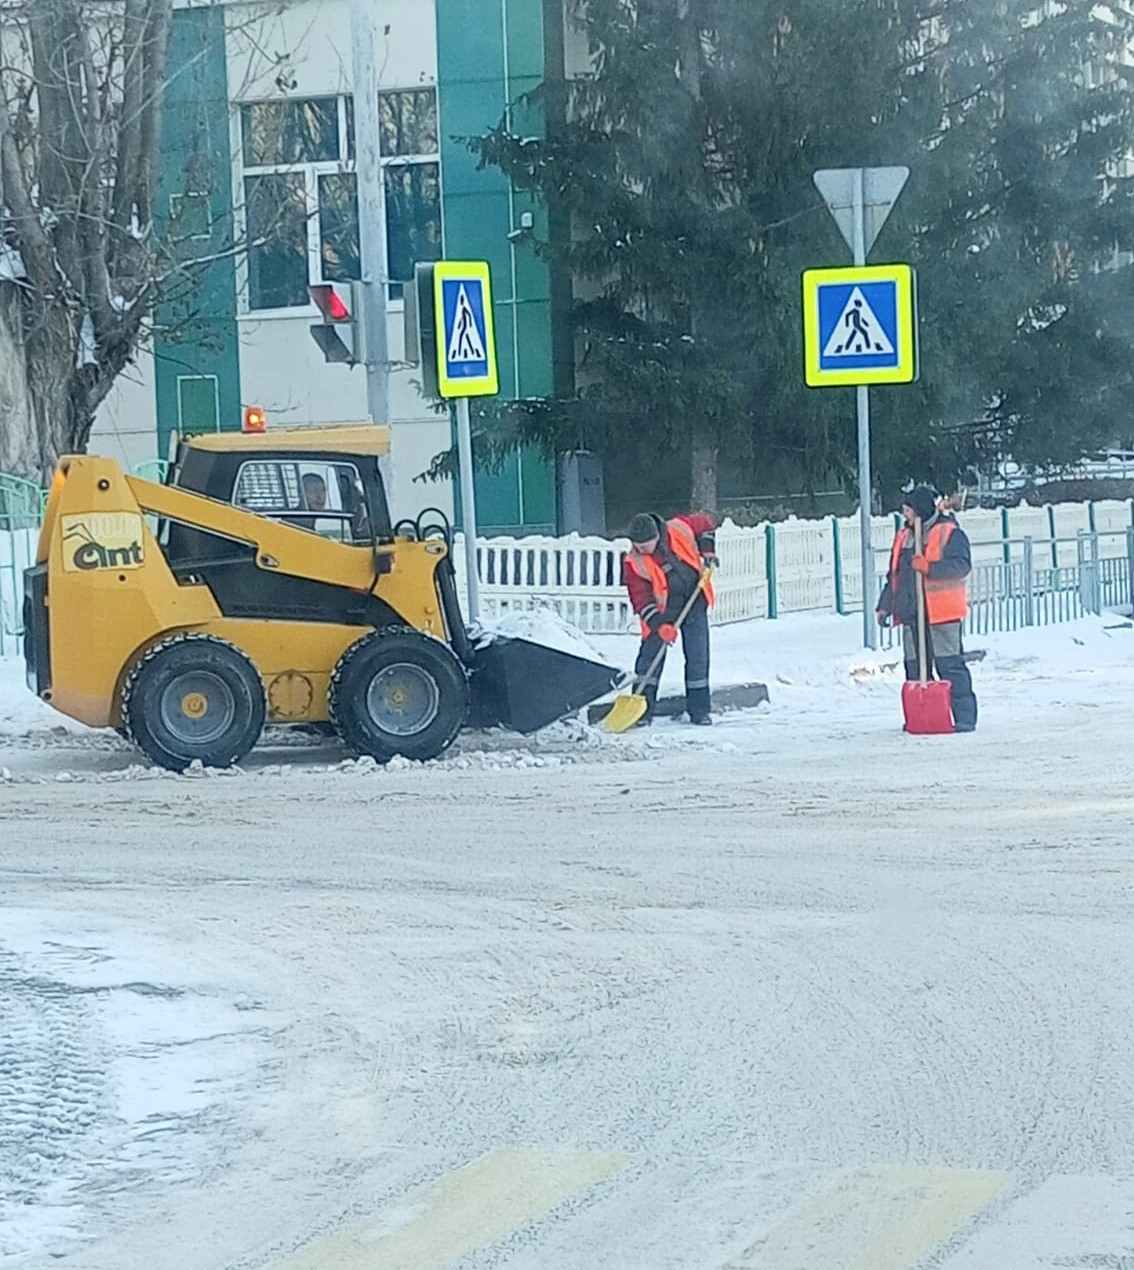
661, 571
945, 562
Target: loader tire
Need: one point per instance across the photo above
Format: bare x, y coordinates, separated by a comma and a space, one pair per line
398, 691
193, 698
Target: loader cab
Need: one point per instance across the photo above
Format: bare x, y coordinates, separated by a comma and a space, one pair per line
325, 480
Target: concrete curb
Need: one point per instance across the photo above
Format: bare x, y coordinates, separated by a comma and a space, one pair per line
740, 697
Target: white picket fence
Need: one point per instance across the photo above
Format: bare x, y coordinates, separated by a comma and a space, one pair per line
795, 566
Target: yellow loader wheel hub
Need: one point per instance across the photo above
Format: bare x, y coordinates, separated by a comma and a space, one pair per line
194, 705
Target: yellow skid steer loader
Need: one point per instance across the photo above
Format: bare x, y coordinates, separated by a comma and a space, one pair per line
263, 582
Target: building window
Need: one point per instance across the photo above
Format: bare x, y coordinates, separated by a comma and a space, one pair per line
338, 227
413, 219
281, 133
276, 214
301, 192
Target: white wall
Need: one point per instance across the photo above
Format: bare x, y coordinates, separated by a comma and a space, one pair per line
308, 45
125, 427
309, 42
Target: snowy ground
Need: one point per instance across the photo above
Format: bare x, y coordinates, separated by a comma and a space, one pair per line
797, 993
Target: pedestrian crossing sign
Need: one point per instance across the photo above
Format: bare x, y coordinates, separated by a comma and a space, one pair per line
860, 326
466, 341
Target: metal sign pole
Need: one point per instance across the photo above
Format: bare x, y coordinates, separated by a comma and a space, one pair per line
860, 200
865, 483
468, 506
456, 335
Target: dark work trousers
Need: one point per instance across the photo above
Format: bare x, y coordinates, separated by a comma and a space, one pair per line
695, 645
946, 656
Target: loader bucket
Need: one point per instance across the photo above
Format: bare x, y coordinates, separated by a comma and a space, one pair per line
524, 686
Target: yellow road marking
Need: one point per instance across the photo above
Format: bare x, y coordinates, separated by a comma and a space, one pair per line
884, 1219
468, 1209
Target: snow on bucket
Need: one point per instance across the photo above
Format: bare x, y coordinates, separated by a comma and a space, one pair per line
533, 668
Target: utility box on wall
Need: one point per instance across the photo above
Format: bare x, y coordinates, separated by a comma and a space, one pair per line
582, 494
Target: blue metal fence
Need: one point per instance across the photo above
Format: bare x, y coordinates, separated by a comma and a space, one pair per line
1026, 589
155, 470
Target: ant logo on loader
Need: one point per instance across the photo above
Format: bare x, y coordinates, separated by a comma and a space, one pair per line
104, 541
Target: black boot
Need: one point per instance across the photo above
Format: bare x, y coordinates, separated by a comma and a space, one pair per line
957, 673
699, 704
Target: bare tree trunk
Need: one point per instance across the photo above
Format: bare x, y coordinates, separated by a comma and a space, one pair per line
80, 130
58, 388
706, 453
19, 448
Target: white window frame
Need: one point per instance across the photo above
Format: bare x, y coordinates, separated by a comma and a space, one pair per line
344, 165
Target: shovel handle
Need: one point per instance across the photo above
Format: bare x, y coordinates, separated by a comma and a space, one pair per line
919, 592
702, 581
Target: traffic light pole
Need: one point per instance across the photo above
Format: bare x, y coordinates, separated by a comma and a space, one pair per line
371, 209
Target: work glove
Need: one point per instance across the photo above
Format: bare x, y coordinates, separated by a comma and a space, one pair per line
668, 632
921, 564
883, 618
710, 560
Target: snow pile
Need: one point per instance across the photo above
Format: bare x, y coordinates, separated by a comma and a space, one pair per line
539, 626
1085, 646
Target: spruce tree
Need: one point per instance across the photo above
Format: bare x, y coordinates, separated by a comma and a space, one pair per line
686, 165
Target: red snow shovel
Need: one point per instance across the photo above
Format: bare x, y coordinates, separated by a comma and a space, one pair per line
928, 706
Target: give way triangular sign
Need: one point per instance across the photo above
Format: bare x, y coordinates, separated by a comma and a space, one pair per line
858, 332
880, 190
465, 343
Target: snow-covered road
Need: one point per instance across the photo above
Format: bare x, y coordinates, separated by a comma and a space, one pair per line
804, 994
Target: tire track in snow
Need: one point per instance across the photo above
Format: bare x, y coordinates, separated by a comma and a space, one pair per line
53, 1089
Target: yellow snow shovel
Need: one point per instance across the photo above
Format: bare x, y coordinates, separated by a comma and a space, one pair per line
631, 706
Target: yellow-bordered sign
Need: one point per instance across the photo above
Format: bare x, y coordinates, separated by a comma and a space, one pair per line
466, 338
859, 326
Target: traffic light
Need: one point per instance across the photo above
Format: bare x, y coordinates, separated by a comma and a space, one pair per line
338, 335
421, 328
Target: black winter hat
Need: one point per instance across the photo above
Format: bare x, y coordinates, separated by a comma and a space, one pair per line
642, 528
923, 499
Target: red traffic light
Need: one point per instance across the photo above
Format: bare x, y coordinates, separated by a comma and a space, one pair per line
255, 420
328, 301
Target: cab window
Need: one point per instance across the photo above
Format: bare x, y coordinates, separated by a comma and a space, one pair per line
321, 497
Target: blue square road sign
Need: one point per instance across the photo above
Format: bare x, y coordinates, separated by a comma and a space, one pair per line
859, 326
466, 344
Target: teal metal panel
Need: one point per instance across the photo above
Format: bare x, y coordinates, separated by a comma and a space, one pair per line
197, 326
490, 52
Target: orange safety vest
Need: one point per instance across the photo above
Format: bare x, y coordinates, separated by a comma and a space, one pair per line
946, 599
683, 543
